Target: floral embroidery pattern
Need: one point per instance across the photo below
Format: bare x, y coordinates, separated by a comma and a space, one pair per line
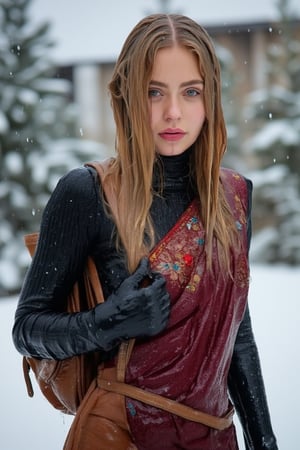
180, 256
177, 256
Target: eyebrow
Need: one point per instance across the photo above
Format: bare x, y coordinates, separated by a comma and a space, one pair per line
186, 83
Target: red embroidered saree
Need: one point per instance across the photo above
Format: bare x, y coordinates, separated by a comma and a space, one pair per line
189, 361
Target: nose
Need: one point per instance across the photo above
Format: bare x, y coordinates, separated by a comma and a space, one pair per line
172, 108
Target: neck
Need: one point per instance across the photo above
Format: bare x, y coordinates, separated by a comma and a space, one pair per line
172, 173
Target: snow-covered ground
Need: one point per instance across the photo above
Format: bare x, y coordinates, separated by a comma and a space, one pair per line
32, 424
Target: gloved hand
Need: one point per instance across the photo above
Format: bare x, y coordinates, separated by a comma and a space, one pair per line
133, 310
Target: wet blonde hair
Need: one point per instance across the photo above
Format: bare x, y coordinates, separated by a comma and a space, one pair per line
132, 169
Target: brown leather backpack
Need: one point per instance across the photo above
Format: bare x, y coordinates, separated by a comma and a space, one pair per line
65, 382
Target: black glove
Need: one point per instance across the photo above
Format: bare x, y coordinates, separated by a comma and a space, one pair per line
133, 311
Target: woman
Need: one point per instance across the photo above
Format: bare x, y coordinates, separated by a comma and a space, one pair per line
194, 340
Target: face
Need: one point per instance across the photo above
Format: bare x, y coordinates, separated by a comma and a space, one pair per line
176, 100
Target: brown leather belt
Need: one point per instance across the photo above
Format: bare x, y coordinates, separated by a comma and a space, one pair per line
158, 401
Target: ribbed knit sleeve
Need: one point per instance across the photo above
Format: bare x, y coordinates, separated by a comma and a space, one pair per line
70, 224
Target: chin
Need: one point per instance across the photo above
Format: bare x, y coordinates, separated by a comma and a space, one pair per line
171, 151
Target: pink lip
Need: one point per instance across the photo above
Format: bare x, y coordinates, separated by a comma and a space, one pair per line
172, 134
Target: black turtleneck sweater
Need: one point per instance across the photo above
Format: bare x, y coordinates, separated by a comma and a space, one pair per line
173, 191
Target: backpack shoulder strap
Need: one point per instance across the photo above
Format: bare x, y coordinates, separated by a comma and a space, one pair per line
126, 347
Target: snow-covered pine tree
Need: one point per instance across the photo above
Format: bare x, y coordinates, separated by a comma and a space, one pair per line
38, 133
275, 146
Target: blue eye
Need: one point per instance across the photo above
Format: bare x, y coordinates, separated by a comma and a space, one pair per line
192, 92
154, 93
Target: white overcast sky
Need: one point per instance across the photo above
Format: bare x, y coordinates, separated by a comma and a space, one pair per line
89, 30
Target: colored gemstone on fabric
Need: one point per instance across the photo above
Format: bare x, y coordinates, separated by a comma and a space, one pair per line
131, 409
188, 259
